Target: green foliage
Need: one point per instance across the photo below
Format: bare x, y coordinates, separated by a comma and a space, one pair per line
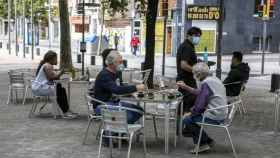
115, 6
39, 8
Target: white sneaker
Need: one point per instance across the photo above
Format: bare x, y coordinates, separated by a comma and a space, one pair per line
69, 115
202, 148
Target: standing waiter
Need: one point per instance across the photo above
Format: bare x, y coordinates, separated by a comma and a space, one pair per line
186, 58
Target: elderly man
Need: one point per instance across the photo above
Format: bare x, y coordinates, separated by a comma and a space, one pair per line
105, 86
210, 94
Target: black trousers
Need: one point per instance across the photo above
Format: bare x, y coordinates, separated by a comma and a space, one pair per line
61, 98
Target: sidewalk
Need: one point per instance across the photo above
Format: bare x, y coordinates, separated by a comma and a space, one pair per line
44, 137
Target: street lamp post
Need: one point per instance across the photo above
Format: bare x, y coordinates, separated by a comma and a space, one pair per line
219, 40
32, 31
49, 28
16, 27
9, 25
83, 44
23, 10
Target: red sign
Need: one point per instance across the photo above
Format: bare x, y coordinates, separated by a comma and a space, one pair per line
273, 2
79, 19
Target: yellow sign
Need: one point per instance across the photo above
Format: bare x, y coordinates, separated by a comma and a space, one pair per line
203, 13
207, 39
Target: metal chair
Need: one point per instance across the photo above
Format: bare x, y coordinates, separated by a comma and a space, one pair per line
37, 98
17, 83
92, 115
115, 121
226, 124
145, 76
242, 109
162, 82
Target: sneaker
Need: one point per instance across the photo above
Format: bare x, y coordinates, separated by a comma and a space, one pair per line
202, 148
69, 115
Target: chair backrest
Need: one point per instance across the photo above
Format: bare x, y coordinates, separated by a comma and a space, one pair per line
166, 82
16, 77
90, 102
114, 119
232, 110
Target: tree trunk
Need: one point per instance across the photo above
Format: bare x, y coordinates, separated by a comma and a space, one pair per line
65, 40
150, 38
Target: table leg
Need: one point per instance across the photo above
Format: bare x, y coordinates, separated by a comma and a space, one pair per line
181, 121
276, 113
166, 133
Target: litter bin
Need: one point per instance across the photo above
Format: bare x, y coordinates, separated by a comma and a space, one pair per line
125, 63
26, 50
275, 82
92, 60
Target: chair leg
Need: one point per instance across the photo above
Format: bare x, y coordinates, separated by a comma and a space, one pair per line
144, 144
155, 127
33, 108
9, 95
86, 134
130, 143
232, 146
98, 132
198, 143
176, 128
24, 97
100, 143
243, 106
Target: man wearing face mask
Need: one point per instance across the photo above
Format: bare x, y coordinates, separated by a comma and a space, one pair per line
211, 94
186, 58
105, 86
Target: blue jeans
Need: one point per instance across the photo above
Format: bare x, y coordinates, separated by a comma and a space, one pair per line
132, 116
190, 124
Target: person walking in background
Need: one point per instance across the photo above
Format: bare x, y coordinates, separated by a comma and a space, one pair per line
116, 41
134, 44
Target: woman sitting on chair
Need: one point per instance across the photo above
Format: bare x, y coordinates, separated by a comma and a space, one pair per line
43, 85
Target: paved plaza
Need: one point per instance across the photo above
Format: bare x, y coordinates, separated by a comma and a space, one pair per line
45, 137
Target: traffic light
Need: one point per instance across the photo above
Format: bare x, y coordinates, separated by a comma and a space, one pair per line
264, 8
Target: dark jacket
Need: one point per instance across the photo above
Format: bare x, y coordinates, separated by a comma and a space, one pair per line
238, 73
105, 86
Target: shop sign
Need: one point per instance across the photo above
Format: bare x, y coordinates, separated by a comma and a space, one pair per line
195, 12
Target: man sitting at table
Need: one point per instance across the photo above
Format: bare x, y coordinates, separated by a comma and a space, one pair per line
105, 86
211, 94
238, 75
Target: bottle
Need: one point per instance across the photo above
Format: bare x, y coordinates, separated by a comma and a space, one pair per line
205, 55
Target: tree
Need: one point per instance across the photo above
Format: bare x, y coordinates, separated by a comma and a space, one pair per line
40, 11
65, 39
151, 16
149, 9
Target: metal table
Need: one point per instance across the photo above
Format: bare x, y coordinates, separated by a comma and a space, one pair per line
158, 97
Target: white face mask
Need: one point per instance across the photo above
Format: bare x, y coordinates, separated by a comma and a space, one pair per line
195, 40
120, 67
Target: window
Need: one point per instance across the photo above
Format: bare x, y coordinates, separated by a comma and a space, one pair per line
79, 28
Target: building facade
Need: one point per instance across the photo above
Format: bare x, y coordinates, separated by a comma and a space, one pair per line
241, 30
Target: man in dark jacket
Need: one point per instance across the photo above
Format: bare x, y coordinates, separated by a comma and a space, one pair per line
239, 74
185, 60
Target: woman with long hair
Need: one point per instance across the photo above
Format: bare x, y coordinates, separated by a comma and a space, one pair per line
43, 84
